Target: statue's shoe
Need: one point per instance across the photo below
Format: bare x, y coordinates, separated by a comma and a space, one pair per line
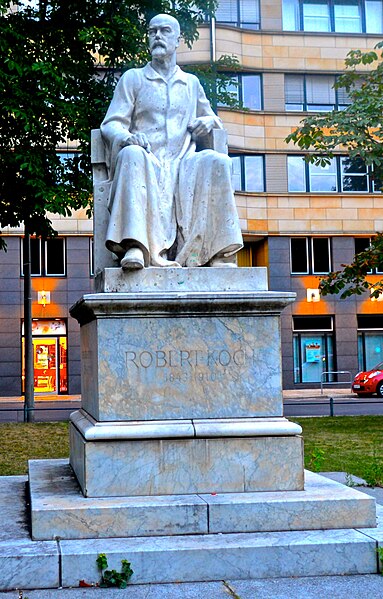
220, 263
133, 259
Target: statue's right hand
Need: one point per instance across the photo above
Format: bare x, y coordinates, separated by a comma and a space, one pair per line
137, 139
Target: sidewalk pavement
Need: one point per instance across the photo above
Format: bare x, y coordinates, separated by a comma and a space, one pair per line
288, 395
313, 587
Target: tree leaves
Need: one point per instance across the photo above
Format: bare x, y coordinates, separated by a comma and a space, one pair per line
57, 74
352, 280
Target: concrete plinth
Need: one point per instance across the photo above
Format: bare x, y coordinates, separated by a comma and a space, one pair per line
125, 467
154, 358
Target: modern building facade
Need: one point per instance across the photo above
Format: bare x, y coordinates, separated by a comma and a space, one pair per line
300, 221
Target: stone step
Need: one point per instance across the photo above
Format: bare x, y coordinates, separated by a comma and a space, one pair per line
223, 556
30, 564
58, 509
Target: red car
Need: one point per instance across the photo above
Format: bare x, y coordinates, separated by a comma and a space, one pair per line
367, 383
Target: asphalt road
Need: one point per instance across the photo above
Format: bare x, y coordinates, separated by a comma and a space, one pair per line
49, 411
320, 407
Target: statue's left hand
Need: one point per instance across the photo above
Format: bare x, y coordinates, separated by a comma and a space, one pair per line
201, 126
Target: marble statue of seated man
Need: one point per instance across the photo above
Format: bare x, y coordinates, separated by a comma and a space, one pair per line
169, 205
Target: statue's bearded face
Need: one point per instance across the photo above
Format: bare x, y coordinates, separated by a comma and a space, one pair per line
163, 36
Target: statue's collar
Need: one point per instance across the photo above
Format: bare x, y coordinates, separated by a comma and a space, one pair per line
178, 75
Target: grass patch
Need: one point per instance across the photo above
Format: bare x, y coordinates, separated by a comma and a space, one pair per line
21, 442
351, 444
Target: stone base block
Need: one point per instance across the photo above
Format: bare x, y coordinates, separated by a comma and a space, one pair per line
223, 557
58, 509
181, 343
165, 280
124, 467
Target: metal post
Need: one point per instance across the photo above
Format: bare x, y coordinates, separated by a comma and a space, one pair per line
29, 400
331, 406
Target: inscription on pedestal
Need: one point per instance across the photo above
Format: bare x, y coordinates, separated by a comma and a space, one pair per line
161, 368
190, 365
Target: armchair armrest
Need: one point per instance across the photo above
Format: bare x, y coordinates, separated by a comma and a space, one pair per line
215, 140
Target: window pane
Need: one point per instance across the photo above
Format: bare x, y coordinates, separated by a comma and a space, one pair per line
354, 175
290, 15
373, 349
321, 255
249, 13
347, 16
323, 178
342, 94
320, 92
361, 244
227, 12
296, 173
230, 88
55, 256
236, 175
374, 16
316, 15
254, 180
294, 92
251, 92
312, 323
299, 258
35, 256
313, 352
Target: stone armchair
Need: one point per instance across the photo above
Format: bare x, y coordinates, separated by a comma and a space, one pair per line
103, 258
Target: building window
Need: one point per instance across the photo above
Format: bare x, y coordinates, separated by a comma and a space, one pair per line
313, 349
314, 92
323, 178
342, 16
370, 340
246, 90
91, 256
310, 255
349, 175
354, 175
47, 257
240, 13
309, 177
248, 172
49, 356
362, 244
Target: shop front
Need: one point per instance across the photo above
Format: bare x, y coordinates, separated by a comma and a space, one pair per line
49, 356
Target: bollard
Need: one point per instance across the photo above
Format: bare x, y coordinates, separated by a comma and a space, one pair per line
331, 406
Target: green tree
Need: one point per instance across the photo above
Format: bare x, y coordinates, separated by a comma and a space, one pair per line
55, 90
354, 278
358, 131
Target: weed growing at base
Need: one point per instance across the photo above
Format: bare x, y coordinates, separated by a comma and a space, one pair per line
112, 578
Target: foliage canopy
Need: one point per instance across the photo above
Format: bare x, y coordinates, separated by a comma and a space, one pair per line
55, 89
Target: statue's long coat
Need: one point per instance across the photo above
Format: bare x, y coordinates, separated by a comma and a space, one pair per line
172, 193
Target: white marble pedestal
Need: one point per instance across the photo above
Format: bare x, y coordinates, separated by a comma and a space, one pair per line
181, 386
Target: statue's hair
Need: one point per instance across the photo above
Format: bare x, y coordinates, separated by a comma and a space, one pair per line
170, 18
